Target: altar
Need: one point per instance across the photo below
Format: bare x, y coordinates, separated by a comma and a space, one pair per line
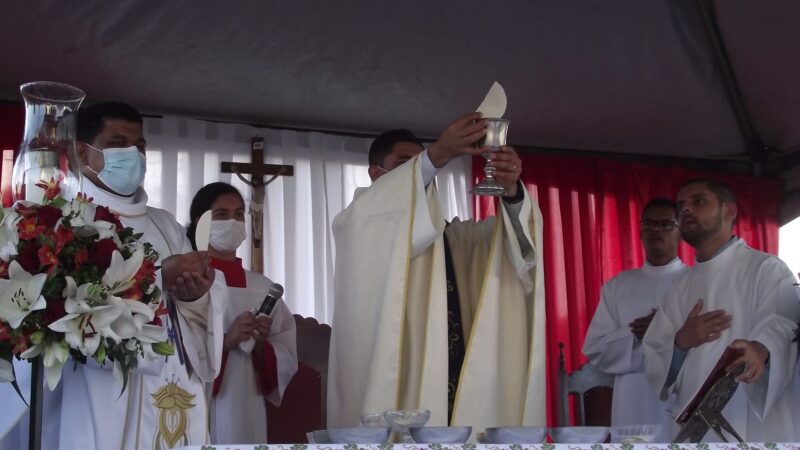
649, 446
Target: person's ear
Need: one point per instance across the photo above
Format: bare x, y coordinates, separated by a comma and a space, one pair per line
375, 172
83, 152
730, 211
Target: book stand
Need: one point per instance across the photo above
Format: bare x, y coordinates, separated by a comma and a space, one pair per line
708, 413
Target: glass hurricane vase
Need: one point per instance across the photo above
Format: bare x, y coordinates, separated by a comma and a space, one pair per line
47, 153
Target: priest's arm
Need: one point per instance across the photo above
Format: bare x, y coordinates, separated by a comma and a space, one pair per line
662, 359
610, 345
777, 313
201, 295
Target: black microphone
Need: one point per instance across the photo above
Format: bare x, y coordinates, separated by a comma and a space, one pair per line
273, 295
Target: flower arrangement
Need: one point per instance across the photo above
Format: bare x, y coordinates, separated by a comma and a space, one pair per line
75, 282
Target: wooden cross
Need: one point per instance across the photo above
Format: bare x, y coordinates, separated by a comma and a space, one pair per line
257, 170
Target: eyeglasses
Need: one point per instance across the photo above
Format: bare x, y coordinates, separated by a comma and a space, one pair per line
657, 225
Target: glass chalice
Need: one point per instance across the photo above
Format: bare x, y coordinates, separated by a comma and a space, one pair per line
494, 140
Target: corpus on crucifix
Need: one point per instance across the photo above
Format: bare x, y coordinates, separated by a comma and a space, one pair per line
257, 171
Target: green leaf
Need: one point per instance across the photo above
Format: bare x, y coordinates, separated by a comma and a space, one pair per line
100, 353
37, 337
58, 202
298, 447
164, 348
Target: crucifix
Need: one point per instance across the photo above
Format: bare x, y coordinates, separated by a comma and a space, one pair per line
257, 171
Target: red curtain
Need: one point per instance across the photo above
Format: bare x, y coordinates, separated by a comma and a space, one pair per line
591, 209
12, 118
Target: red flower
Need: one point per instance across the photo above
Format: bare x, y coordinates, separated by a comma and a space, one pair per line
81, 256
48, 258
103, 213
22, 343
161, 311
133, 293
63, 236
101, 252
146, 273
51, 188
49, 215
26, 211
3, 269
28, 257
54, 311
29, 229
5, 333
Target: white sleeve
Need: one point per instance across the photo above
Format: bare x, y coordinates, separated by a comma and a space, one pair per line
429, 171
202, 329
610, 346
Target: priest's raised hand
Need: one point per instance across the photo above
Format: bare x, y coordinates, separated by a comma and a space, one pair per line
507, 168
188, 276
458, 139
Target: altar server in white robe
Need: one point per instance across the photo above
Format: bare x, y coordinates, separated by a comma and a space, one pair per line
164, 404
259, 352
407, 334
734, 296
627, 305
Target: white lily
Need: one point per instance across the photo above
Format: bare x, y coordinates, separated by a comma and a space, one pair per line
152, 334
8, 240
119, 275
6, 371
20, 295
83, 330
56, 354
84, 210
129, 324
87, 319
84, 223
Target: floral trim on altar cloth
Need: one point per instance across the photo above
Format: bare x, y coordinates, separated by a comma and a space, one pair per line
700, 446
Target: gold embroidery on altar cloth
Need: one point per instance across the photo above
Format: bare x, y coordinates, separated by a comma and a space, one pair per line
173, 405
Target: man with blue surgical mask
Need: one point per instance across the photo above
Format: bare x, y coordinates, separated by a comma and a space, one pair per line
111, 148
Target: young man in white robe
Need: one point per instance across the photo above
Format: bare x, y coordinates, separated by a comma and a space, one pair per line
448, 318
627, 305
163, 405
259, 351
734, 296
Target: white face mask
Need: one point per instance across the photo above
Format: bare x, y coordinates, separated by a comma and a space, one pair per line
123, 169
227, 235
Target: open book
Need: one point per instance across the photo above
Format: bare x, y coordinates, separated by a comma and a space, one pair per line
717, 373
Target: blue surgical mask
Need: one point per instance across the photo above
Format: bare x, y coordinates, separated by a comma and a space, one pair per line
123, 169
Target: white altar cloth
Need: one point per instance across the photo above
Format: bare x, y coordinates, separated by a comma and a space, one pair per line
653, 446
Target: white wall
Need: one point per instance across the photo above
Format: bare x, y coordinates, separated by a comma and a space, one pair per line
789, 245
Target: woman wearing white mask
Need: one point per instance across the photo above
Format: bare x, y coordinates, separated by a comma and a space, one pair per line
250, 373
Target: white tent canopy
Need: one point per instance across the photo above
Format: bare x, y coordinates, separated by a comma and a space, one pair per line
713, 80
